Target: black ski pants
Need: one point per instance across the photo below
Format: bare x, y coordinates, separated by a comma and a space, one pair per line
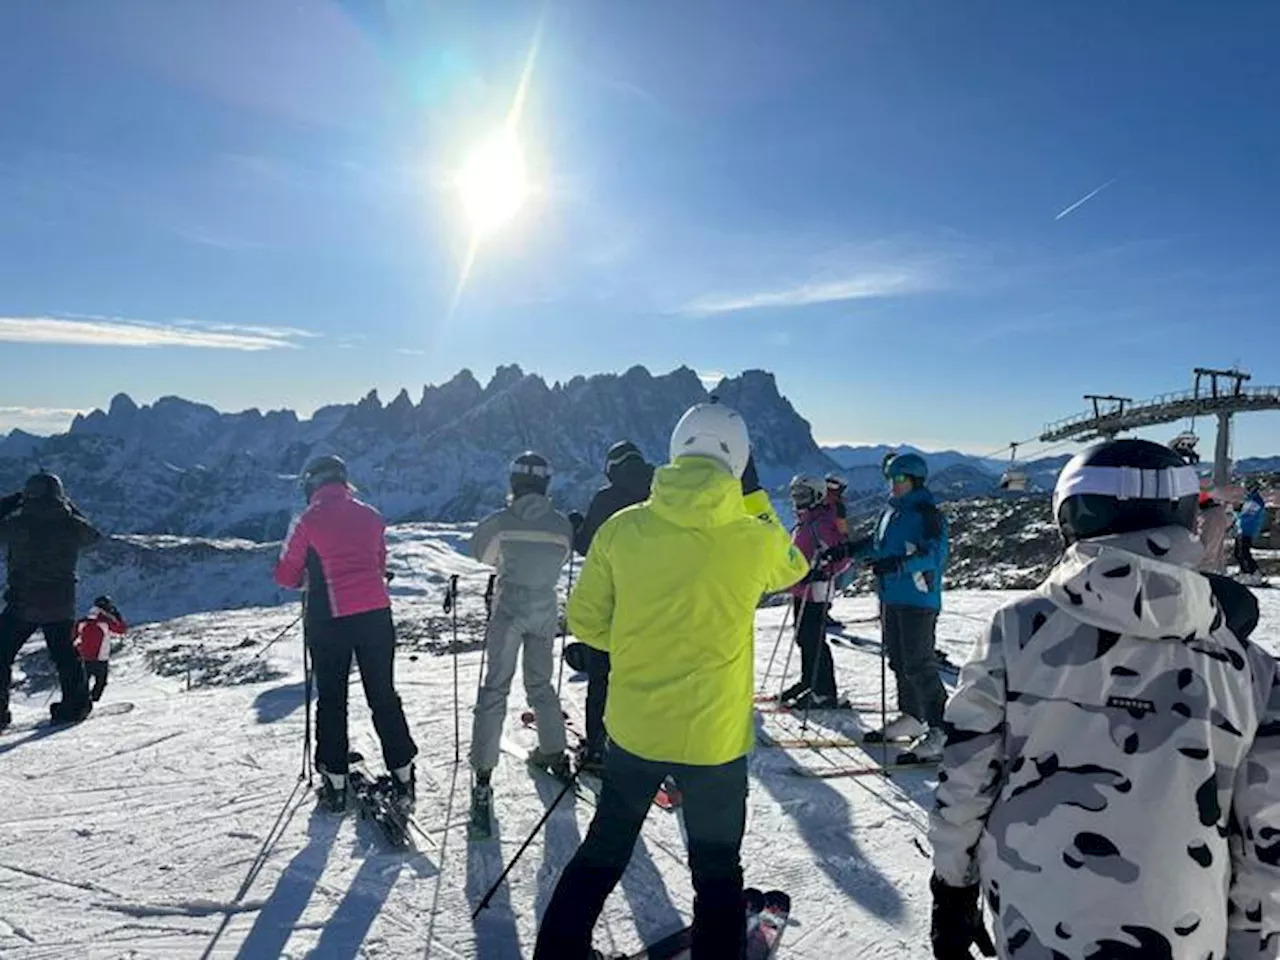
1244, 555
371, 639
817, 669
97, 671
597, 695
909, 641
715, 813
15, 631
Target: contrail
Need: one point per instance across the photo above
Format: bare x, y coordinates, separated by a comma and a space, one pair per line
1086, 198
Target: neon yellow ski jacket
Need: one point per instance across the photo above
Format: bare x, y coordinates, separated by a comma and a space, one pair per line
669, 589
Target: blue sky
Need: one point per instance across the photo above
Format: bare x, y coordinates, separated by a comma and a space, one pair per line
250, 203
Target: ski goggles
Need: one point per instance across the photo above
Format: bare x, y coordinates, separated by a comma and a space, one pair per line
900, 478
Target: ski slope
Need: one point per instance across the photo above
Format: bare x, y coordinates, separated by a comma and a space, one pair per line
180, 828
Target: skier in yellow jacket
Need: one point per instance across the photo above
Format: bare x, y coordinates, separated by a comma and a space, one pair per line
669, 591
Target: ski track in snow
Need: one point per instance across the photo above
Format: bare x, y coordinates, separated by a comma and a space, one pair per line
181, 829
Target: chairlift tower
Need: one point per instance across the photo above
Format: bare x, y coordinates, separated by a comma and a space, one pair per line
1223, 396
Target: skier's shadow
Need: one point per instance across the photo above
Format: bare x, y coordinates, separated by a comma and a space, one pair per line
495, 928
821, 814
278, 917
344, 932
278, 702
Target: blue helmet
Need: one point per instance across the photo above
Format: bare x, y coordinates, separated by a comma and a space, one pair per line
907, 465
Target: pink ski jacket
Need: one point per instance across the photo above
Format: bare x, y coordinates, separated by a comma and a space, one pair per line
816, 529
337, 552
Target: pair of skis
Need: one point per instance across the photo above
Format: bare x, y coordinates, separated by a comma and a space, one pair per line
376, 800
766, 918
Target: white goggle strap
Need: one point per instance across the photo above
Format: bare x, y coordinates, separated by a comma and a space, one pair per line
531, 469
1126, 483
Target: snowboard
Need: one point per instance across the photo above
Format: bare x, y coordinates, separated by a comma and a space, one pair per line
765, 935
47, 723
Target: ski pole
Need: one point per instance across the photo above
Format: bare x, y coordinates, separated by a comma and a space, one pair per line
569, 785
307, 685
451, 607
819, 648
488, 616
782, 627
795, 640
884, 684
292, 623
564, 628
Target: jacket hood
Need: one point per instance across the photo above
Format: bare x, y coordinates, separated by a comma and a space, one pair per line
532, 506
46, 507
632, 476
696, 492
1140, 584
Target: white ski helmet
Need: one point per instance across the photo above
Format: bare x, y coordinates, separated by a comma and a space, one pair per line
716, 431
806, 491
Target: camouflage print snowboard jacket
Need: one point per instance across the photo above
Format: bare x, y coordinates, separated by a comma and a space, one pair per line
1112, 768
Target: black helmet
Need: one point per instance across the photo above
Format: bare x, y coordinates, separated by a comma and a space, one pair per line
44, 486
105, 603
1119, 486
530, 473
618, 454
321, 471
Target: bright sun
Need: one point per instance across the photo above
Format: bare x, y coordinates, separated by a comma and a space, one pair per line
492, 183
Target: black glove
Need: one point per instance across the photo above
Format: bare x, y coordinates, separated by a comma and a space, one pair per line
956, 923
10, 503
816, 575
388, 576
832, 555
750, 479
576, 520
883, 566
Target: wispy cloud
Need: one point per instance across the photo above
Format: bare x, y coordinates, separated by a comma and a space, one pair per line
206, 238
411, 351
42, 421
94, 331
1086, 198
859, 285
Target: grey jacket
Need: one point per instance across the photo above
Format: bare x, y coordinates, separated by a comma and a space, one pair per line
528, 542
1112, 768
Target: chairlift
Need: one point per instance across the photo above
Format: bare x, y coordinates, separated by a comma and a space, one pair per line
1014, 478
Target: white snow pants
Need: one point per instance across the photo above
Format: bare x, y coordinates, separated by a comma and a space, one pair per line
522, 619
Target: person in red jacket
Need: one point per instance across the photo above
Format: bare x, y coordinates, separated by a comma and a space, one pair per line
93, 642
336, 551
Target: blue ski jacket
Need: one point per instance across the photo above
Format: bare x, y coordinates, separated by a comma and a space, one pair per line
1253, 515
913, 530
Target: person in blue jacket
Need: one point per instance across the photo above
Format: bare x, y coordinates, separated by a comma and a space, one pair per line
1249, 523
908, 553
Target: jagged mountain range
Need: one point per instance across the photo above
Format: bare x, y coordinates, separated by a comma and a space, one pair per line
185, 468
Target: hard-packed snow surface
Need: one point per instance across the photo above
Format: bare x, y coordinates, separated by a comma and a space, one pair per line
180, 828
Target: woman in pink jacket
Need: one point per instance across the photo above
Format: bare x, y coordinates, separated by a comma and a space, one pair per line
817, 528
336, 551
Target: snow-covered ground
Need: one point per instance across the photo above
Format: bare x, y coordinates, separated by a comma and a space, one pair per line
180, 829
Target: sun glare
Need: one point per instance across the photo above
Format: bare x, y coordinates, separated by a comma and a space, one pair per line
492, 184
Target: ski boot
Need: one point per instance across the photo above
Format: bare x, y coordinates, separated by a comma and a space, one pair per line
404, 783
480, 826
73, 712
792, 693
556, 764
590, 760
817, 701
903, 727
926, 748
333, 791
